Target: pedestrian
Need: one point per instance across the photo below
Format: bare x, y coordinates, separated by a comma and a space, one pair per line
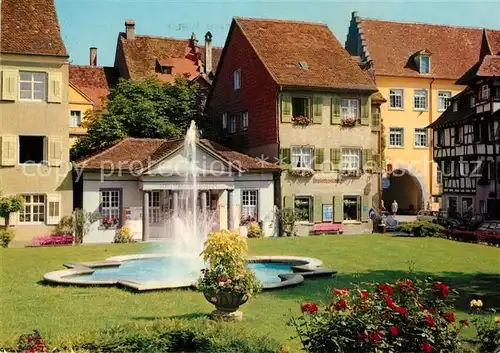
394, 207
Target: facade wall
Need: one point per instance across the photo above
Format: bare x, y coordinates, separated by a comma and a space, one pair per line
24, 118
76, 101
257, 96
418, 160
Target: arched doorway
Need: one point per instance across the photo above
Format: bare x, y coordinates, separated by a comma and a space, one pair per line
408, 191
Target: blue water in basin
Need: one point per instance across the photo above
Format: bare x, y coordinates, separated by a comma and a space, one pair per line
173, 270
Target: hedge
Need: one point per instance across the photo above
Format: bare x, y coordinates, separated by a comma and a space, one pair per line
470, 236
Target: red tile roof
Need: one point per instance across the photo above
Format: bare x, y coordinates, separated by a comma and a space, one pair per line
95, 81
490, 66
283, 46
30, 27
134, 154
389, 46
143, 52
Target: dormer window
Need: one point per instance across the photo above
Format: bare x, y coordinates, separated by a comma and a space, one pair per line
166, 70
425, 64
165, 66
485, 93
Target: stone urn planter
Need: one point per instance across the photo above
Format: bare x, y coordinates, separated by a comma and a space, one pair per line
226, 305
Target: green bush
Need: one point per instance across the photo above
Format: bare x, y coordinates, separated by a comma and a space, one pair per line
421, 229
6, 236
123, 235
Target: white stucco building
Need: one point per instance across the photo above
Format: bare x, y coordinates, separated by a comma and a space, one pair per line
145, 179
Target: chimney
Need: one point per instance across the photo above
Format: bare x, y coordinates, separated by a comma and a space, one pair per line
130, 29
93, 56
208, 52
193, 41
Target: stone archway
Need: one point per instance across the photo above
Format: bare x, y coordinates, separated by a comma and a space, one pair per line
408, 190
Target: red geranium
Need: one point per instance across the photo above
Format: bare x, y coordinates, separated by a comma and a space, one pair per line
464, 322
309, 308
426, 347
344, 292
443, 288
394, 331
449, 316
402, 311
430, 321
364, 294
386, 288
390, 302
376, 337
405, 285
341, 305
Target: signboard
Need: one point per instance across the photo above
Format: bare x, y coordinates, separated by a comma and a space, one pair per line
386, 183
371, 214
328, 213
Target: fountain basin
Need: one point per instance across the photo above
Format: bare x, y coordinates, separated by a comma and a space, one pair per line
142, 272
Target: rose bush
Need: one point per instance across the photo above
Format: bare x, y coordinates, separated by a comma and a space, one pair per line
407, 316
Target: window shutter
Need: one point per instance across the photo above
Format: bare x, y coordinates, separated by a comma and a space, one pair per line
338, 208
364, 208
317, 110
8, 149
367, 161
55, 151
318, 210
9, 85
288, 201
53, 209
376, 119
55, 87
336, 111
376, 162
285, 157
286, 108
335, 158
319, 158
365, 111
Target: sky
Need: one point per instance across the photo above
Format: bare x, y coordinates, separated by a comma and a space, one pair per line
96, 23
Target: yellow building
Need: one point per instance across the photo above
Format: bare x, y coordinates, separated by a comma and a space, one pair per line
79, 106
415, 67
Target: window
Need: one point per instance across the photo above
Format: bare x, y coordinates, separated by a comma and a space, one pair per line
420, 137
439, 176
425, 64
249, 203
472, 101
485, 92
396, 98
396, 137
75, 118
232, 123
467, 205
237, 79
154, 207
300, 106
166, 70
244, 122
349, 109
303, 208
351, 159
352, 208
455, 106
32, 86
440, 138
459, 135
452, 205
224, 121
477, 131
420, 99
302, 157
443, 100
31, 149
110, 205
34, 209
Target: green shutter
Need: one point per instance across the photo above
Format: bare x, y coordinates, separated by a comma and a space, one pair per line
367, 161
376, 162
288, 201
338, 208
286, 108
285, 157
317, 110
318, 210
375, 118
365, 111
336, 111
365, 206
335, 158
319, 158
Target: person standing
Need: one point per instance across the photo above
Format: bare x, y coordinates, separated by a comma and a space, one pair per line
394, 207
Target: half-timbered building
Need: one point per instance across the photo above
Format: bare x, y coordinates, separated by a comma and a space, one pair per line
467, 138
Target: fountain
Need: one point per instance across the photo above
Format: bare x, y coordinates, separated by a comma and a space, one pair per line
175, 261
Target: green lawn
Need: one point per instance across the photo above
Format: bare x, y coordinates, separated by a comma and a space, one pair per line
63, 313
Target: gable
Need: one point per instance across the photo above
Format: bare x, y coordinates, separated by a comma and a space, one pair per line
77, 96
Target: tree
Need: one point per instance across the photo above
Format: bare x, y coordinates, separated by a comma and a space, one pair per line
146, 108
8, 205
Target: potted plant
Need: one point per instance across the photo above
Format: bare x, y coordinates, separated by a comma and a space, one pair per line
109, 222
301, 120
226, 282
245, 222
349, 121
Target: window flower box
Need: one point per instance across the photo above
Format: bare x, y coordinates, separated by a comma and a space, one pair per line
351, 172
110, 222
348, 121
301, 172
302, 120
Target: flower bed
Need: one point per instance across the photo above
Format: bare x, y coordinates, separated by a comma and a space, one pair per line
470, 236
51, 240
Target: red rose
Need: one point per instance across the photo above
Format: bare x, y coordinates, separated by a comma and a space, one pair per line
394, 331
309, 308
386, 288
449, 316
432, 310
443, 288
464, 322
341, 305
376, 337
402, 311
426, 347
364, 294
341, 292
430, 321
390, 302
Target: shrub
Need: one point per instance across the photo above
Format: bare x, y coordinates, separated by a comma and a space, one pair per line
254, 230
48, 240
288, 218
488, 329
6, 236
478, 236
408, 316
65, 226
123, 235
421, 229
8, 205
31, 343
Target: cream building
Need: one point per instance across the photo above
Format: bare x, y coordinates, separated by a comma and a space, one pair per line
34, 148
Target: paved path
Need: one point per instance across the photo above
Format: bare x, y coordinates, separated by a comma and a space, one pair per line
406, 218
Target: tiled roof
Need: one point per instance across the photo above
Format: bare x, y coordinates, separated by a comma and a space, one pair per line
144, 52
30, 27
95, 81
490, 66
303, 54
137, 153
390, 46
